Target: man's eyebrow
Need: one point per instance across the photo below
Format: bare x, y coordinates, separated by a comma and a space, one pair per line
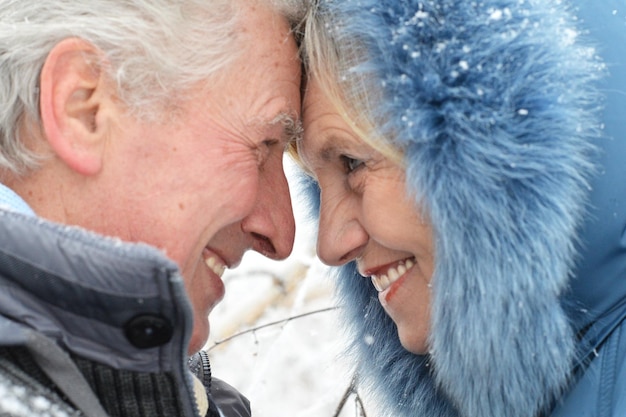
292, 127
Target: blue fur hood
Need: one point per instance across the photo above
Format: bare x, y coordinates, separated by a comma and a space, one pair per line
498, 106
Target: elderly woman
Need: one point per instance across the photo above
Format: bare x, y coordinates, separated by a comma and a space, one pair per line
468, 158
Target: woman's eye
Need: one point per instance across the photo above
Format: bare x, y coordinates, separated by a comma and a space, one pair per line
351, 164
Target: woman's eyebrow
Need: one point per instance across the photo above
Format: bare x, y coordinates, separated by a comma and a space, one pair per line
318, 157
328, 151
333, 146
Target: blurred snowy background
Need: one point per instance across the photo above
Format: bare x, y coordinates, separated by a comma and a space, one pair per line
276, 335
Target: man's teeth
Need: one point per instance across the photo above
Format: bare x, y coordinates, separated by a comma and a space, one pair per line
384, 281
216, 266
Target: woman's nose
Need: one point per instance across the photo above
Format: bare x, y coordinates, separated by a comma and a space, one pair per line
341, 237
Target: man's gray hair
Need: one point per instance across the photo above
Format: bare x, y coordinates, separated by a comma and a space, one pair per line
154, 50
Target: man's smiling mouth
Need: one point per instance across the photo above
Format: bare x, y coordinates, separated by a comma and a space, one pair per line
215, 263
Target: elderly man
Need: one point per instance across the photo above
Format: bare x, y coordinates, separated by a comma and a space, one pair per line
141, 148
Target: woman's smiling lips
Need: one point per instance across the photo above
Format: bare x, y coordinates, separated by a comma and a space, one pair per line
383, 277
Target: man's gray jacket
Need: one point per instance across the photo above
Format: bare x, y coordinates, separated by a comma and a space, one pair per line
91, 326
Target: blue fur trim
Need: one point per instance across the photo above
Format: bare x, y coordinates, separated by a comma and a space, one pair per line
309, 188
491, 102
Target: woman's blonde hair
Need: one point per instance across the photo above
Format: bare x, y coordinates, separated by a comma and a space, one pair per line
333, 61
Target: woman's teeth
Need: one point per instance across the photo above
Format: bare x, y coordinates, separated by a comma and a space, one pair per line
384, 281
216, 266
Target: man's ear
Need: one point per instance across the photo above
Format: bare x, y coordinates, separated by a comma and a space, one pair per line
73, 103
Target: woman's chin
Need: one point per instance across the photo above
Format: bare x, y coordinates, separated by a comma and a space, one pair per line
414, 342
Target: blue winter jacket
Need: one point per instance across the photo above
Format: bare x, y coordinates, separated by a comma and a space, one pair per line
512, 116
599, 282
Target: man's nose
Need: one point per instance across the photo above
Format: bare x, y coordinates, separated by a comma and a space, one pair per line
271, 224
341, 238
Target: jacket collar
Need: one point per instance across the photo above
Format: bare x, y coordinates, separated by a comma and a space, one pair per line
120, 304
